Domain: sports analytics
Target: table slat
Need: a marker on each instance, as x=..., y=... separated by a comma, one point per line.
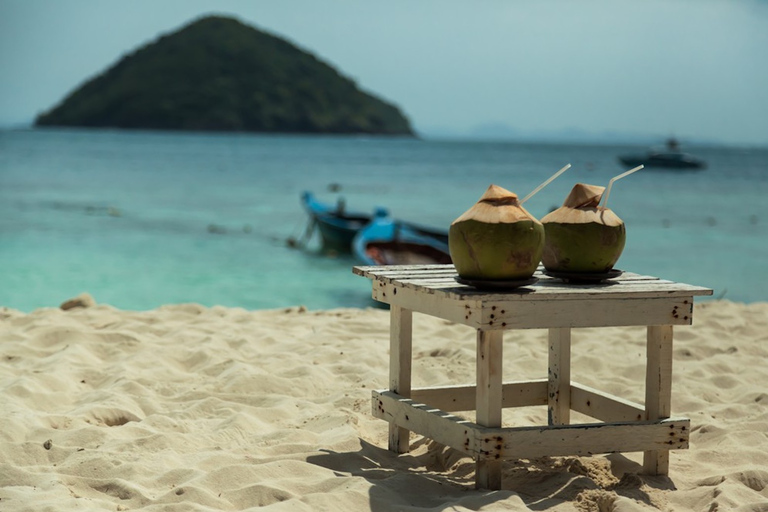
x=442, y=279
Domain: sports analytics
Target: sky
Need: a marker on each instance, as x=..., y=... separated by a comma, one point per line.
x=695, y=69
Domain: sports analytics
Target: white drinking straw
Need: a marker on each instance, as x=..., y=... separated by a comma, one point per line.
x=558, y=173
x=616, y=178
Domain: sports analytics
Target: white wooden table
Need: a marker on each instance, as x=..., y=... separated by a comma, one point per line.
x=622, y=426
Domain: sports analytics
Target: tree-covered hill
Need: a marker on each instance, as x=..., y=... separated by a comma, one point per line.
x=219, y=74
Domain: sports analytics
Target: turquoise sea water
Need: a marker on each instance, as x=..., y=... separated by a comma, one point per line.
x=141, y=219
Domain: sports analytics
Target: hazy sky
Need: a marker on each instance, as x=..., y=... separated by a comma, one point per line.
x=694, y=68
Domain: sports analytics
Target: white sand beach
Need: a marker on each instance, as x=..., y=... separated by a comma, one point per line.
x=189, y=408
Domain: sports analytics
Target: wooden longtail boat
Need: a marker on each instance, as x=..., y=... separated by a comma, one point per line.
x=386, y=241
x=338, y=227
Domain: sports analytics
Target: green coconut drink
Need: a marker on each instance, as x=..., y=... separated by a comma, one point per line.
x=582, y=236
x=496, y=239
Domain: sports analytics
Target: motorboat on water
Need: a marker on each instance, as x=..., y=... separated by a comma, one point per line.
x=670, y=158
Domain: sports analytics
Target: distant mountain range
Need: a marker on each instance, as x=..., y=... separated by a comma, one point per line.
x=218, y=74
x=498, y=131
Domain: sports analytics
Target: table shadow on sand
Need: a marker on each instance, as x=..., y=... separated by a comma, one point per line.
x=436, y=477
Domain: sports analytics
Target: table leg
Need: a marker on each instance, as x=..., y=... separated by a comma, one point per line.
x=559, y=393
x=658, y=391
x=400, y=355
x=488, y=396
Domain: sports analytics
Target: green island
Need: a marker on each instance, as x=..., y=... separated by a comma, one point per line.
x=218, y=74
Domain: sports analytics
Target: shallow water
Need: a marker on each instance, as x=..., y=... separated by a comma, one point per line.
x=140, y=219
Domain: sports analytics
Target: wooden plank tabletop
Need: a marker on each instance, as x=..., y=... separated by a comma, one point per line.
x=441, y=279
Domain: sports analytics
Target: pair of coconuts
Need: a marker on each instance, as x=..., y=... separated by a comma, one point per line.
x=498, y=240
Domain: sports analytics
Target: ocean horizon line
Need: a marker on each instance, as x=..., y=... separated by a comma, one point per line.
x=587, y=139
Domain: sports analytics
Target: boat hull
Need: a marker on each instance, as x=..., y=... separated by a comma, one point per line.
x=671, y=161
x=338, y=227
x=336, y=234
x=389, y=242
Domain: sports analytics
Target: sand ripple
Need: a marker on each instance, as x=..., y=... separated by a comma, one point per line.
x=202, y=409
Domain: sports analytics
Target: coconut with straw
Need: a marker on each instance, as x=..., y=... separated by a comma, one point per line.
x=498, y=239
x=582, y=236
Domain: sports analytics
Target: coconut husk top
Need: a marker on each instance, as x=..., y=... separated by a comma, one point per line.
x=497, y=206
x=583, y=195
x=581, y=207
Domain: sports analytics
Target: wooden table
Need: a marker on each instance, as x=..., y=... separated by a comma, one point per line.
x=623, y=426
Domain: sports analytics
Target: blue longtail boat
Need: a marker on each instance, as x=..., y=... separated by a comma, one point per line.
x=386, y=241
x=338, y=226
